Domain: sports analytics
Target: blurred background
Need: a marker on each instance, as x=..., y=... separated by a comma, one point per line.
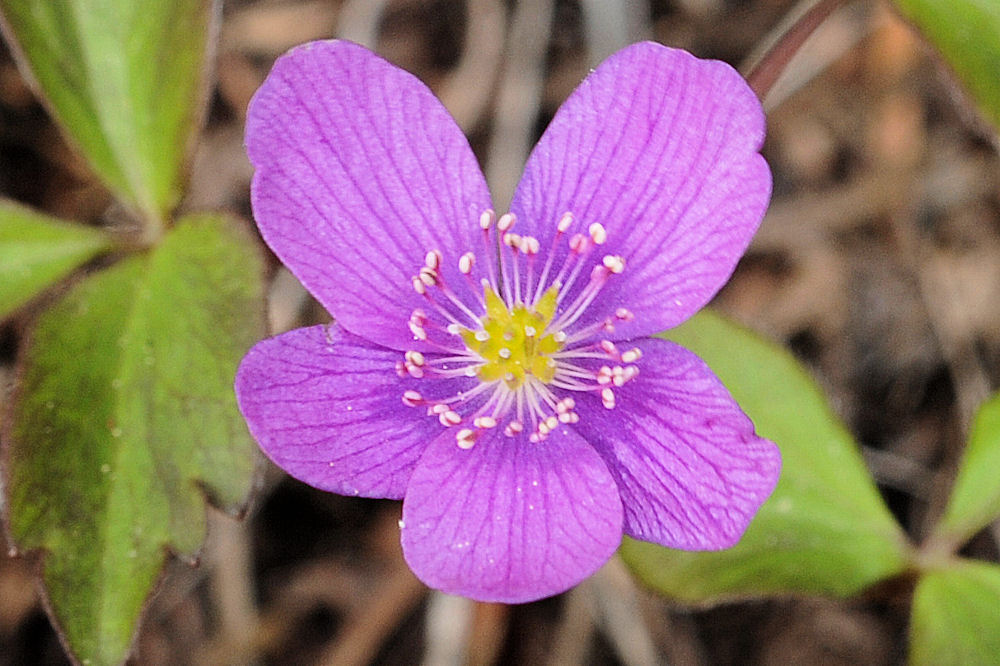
x=878, y=265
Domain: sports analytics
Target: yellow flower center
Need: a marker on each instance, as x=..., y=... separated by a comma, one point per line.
x=515, y=343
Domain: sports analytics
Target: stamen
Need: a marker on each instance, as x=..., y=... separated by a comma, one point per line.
x=466, y=438
x=614, y=263
x=418, y=331
x=632, y=355
x=433, y=260
x=486, y=219
x=564, y=222
x=450, y=418
x=428, y=276
x=597, y=233
x=513, y=428
x=519, y=350
x=484, y=422
x=608, y=398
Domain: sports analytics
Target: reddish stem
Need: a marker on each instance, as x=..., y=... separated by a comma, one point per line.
x=767, y=70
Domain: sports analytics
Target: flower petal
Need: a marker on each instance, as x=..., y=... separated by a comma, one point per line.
x=326, y=406
x=691, y=470
x=359, y=173
x=509, y=520
x=661, y=148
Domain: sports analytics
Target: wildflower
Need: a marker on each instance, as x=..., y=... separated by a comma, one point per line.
x=494, y=370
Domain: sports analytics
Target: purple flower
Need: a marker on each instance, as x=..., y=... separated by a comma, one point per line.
x=496, y=372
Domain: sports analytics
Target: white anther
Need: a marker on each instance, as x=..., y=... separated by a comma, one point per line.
x=453, y=329
x=437, y=409
x=412, y=398
x=486, y=219
x=418, y=285
x=530, y=331
x=597, y=233
x=414, y=357
x=401, y=369
x=608, y=346
x=484, y=422
x=578, y=243
x=619, y=376
x=543, y=429
x=428, y=276
x=450, y=418
x=465, y=438
x=530, y=245
x=505, y=222
x=632, y=355
x=623, y=314
x=552, y=422
x=433, y=260
x=564, y=222
x=559, y=336
x=503, y=353
x=465, y=263
x=481, y=335
x=512, y=241
x=470, y=370
x=631, y=372
x=418, y=331
x=566, y=417
x=418, y=316
x=415, y=371
x=608, y=398
x=513, y=428
x=614, y=263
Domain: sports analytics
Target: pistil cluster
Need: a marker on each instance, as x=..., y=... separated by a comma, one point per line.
x=522, y=339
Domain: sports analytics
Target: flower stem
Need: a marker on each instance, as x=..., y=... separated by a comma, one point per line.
x=766, y=69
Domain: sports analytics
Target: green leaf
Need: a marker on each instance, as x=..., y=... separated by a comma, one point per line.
x=967, y=33
x=824, y=530
x=125, y=418
x=956, y=616
x=124, y=79
x=975, y=499
x=37, y=251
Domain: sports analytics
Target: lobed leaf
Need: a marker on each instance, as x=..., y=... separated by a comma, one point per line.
x=36, y=251
x=124, y=79
x=955, y=618
x=967, y=33
x=975, y=499
x=125, y=418
x=825, y=529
